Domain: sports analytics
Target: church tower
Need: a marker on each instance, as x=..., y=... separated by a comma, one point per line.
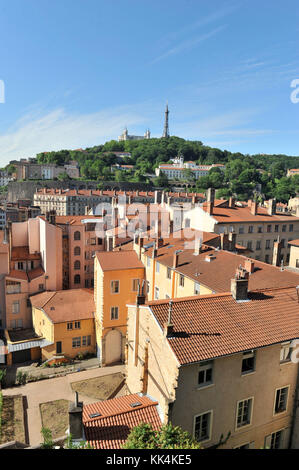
x=166, y=128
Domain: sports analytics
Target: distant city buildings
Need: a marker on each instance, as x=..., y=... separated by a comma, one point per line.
x=292, y=172
x=30, y=169
x=5, y=178
x=125, y=136
x=177, y=170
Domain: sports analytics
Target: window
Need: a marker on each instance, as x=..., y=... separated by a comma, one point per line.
x=20, y=265
x=267, y=258
x=196, y=288
x=77, y=251
x=13, y=287
x=282, y=243
x=156, y=293
x=69, y=326
x=260, y=229
x=76, y=342
x=249, y=245
x=291, y=227
x=147, y=287
x=244, y=408
x=182, y=280
x=114, y=313
x=16, y=306
x=205, y=374
x=202, y=426
x=41, y=287
x=58, y=347
x=258, y=245
x=86, y=340
x=100, y=241
x=77, y=236
x=157, y=267
x=285, y=352
x=281, y=399
x=276, y=228
x=77, y=325
x=268, y=244
x=284, y=228
x=250, y=229
x=241, y=229
x=168, y=273
x=115, y=287
x=269, y=228
x=93, y=241
x=77, y=265
x=77, y=279
x=274, y=440
x=248, y=362
x=135, y=285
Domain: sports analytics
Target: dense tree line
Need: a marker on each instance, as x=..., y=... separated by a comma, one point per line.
x=244, y=177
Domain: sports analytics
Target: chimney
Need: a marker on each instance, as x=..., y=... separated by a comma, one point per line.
x=211, y=195
x=239, y=286
x=231, y=202
x=253, y=208
x=272, y=207
x=276, y=252
x=175, y=259
x=140, y=300
x=170, y=227
x=249, y=265
x=157, y=197
x=197, y=246
x=75, y=419
x=140, y=246
x=154, y=252
x=210, y=206
x=168, y=327
x=232, y=238
x=224, y=242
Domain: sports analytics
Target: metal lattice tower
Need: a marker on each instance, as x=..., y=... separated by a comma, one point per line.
x=166, y=128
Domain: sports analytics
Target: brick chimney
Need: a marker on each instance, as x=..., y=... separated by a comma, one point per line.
x=276, y=252
x=75, y=419
x=211, y=195
x=253, y=208
x=272, y=207
x=239, y=285
x=249, y=265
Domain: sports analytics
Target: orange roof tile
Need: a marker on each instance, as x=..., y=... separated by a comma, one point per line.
x=294, y=242
x=210, y=326
x=66, y=305
x=118, y=417
x=115, y=260
x=243, y=214
x=22, y=253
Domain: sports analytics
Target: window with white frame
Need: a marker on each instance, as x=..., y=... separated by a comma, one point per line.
x=248, y=362
x=281, y=399
x=275, y=440
x=77, y=325
x=244, y=411
x=285, y=351
x=86, y=340
x=205, y=374
x=76, y=342
x=168, y=273
x=114, y=313
x=196, y=288
x=202, y=426
x=70, y=325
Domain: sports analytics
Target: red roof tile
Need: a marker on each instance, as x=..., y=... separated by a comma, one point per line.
x=206, y=327
x=115, y=260
x=111, y=429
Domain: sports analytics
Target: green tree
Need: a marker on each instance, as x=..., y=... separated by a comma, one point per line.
x=168, y=437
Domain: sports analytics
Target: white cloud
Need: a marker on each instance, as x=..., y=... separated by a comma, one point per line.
x=55, y=130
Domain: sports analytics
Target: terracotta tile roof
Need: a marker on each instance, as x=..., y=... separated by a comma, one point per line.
x=22, y=253
x=76, y=219
x=21, y=275
x=111, y=429
x=115, y=260
x=243, y=214
x=34, y=273
x=66, y=305
x=210, y=326
x=294, y=242
x=217, y=273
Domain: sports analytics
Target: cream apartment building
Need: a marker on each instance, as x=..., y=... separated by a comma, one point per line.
x=209, y=377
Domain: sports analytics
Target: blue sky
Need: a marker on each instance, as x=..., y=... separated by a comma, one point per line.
x=77, y=71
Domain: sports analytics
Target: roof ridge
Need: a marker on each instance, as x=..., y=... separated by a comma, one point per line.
x=50, y=298
x=145, y=405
